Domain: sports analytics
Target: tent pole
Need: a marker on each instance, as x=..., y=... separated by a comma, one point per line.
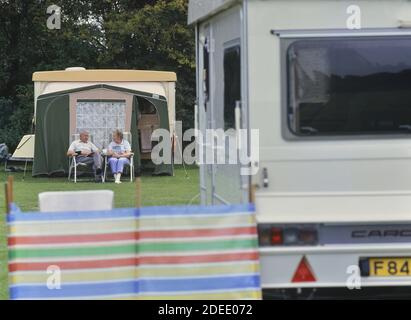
x=182, y=156
x=25, y=165
x=138, y=192
x=25, y=170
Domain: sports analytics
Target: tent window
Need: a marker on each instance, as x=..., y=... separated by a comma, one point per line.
x=349, y=86
x=232, y=84
x=100, y=118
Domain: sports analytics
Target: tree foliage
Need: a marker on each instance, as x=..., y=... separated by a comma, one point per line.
x=123, y=34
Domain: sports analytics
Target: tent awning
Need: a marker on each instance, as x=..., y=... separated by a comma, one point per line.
x=53, y=130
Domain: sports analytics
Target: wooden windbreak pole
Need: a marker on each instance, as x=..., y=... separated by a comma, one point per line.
x=252, y=191
x=138, y=192
x=10, y=181
x=6, y=197
x=9, y=192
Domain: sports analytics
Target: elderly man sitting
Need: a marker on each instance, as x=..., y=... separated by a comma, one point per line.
x=86, y=152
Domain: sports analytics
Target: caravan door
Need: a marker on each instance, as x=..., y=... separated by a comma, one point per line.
x=221, y=57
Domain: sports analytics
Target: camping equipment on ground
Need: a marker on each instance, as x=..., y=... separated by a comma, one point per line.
x=4, y=154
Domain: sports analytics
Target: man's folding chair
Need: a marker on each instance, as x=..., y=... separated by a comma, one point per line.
x=74, y=165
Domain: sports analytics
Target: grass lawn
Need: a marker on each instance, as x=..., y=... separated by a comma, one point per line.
x=177, y=190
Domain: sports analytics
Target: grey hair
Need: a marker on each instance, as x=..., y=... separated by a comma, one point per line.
x=118, y=133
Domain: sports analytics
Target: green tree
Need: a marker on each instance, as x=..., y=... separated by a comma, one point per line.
x=132, y=34
x=156, y=37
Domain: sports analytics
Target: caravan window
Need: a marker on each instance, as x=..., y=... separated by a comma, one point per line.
x=232, y=84
x=349, y=86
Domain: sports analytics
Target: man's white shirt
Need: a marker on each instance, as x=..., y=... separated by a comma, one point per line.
x=78, y=146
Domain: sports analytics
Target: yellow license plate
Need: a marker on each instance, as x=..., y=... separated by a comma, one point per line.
x=390, y=267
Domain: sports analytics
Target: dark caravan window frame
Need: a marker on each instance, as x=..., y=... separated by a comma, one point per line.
x=206, y=71
x=348, y=89
x=232, y=83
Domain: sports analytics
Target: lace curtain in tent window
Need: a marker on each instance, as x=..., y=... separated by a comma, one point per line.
x=100, y=119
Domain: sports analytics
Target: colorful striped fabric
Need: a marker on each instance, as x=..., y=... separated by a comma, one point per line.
x=148, y=253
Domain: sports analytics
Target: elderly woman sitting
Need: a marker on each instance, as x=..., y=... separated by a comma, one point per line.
x=119, y=151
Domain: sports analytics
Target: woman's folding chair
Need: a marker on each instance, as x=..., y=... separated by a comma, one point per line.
x=126, y=136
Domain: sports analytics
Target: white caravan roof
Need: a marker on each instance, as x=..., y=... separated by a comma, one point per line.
x=200, y=9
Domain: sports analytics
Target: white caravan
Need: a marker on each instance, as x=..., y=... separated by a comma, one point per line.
x=328, y=85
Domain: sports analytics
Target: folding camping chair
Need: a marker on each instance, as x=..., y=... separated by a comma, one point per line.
x=126, y=136
x=4, y=155
x=73, y=164
x=100, y=200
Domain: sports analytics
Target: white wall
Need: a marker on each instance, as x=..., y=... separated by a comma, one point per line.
x=198, y=9
x=298, y=167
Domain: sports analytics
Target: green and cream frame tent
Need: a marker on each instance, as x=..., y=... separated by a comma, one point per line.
x=100, y=101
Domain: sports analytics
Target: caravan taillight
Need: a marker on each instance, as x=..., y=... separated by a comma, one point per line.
x=309, y=236
x=276, y=236
x=287, y=235
x=269, y=236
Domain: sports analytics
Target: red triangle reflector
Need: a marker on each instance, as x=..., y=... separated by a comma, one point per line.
x=304, y=272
